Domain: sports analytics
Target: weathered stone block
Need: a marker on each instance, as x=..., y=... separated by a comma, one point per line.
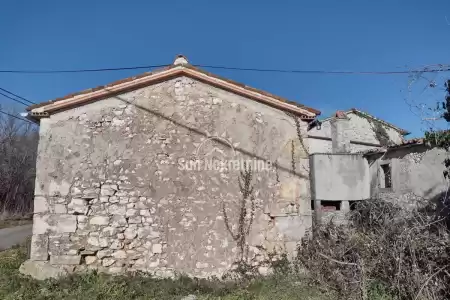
x=115, y=245
x=64, y=223
x=60, y=209
x=65, y=260
x=132, y=213
x=130, y=233
x=104, y=253
x=90, y=193
x=40, y=204
x=157, y=248
x=78, y=206
x=135, y=220
x=108, y=261
x=108, y=190
x=144, y=213
x=118, y=221
x=41, y=270
x=110, y=231
x=82, y=219
x=40, y=224
x=39, y=247
x=99, y=220
x=90, y=260
x=120, y=254
x=116, y=209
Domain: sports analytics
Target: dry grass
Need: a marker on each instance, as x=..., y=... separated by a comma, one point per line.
x=384, y=250
x=99, y=286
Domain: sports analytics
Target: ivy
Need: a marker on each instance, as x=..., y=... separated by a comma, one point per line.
x=380, y=132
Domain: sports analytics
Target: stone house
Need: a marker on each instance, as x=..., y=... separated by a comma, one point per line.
x=340, y=174
x=354, y=131
x=143, y=175
x=409, y=174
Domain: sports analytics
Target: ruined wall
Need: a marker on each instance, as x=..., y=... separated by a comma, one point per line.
x=119, y=186
x=358, y=129
x=416, y=175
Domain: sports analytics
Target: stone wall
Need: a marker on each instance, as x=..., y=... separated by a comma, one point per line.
x=417, y=175
x=358, y=129
x=119, y=187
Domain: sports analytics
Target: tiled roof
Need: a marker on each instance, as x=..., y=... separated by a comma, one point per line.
x=405, y=143
x=185, y=66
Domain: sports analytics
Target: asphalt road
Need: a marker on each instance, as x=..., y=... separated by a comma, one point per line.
x=14, y=235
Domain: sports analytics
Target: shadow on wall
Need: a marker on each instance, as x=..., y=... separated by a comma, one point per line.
x=240, y=150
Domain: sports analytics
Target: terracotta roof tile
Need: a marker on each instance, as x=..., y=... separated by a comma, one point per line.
x=129, y=79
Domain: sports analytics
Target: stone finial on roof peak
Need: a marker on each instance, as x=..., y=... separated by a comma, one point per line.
x=180, y=60
x=340, y=114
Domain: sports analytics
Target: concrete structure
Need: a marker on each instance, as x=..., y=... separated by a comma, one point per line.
x=355, y=131
x=338, y=180
x=136, y=175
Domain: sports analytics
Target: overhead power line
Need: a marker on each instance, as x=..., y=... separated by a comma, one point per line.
x=433, y=69
x=425, y=70
x=20, y=97
x=16, y=117
x=81, y=70
x=13, y=99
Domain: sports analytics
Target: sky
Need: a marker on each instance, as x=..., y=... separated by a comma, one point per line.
x=351, y=35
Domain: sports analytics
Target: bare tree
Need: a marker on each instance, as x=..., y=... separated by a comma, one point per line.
x=18, y=147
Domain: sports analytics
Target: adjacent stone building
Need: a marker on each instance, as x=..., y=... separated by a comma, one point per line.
x=409, y=174
x=143, y=174
x=352, y=131
x=339, y=172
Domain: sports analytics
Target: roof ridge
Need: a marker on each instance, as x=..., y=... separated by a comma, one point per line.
x=175, y=70
x=353, y=110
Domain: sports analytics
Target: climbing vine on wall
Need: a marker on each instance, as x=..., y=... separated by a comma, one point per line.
x=380, y=132
x=246, y=215
x=299, y=134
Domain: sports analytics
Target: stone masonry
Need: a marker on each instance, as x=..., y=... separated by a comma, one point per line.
x=118, y=188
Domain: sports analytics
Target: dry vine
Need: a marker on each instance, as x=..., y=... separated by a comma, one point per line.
x=246, y=215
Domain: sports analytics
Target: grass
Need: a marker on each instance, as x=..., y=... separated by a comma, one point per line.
x=100, y=286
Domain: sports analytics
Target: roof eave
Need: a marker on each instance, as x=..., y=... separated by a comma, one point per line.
x=168, y=73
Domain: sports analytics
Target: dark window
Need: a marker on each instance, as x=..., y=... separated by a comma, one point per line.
x=330, y=205
x=386, y=176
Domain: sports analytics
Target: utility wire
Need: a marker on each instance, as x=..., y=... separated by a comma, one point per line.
x=13, y=116
x=20, y=97
x=435, y=69
x=11, y=98
x=80, y=70
x=425, y=70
